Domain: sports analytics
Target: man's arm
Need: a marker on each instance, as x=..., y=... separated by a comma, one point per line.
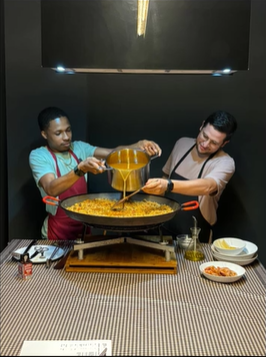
x=55, y=186
x=198, y=187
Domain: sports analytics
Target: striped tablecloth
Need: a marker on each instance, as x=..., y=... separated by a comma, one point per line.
x=142, y=314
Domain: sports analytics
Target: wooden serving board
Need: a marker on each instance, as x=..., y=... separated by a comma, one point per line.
x=122, y=258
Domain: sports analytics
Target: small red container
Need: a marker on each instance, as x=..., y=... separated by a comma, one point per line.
x=25, y=267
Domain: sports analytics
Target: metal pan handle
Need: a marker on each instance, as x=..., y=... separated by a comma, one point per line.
x=50, y=200
x=192, y=205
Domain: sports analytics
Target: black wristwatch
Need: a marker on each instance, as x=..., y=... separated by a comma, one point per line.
x=170, y=186
x=78, y=172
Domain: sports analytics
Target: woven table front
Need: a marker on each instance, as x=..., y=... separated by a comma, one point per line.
x=142, y=314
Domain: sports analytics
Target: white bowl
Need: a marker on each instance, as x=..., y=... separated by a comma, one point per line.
x=248, y=252
x=240, y=271
x=183, y=240
x=229, y=246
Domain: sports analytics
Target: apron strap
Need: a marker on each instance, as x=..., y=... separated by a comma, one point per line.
x=182, y=158
x=205, y=162
x=56, y=165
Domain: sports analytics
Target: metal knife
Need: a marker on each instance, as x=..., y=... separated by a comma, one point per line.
x=29, y=246
x=62, y=261
x=48, y=261
x=34, y=254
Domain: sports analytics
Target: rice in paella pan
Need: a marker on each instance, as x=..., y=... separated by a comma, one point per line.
x=102, y=207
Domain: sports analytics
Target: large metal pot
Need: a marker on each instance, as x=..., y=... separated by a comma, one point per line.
x=121, y=223
x=128, y=169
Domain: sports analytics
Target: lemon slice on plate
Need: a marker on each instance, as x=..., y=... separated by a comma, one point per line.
x=225, y=245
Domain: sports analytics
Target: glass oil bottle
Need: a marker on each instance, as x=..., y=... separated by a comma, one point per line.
x=194, y=251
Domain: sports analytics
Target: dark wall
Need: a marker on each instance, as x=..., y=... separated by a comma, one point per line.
x=3, y=140
x=112, y=109
x=30, y=88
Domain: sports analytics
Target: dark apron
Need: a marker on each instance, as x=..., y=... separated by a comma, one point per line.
x=183, y=221
x=60, y=226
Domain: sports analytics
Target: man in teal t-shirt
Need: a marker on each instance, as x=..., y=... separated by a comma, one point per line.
x=60, y=169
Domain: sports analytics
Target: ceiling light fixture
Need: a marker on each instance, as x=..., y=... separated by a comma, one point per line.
x=143, y=7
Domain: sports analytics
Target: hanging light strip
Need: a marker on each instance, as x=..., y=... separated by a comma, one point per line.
x=143, y=6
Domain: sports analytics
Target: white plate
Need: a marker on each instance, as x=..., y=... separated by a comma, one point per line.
x=40, y=258
x=223, y=279
x=229, y=258
x=249, y=251
x=241, y=262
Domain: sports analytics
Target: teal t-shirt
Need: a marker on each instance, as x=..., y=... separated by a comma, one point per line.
x=42, y=163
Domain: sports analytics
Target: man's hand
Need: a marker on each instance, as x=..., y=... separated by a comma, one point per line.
x=150, y=147
x=155, y=186
x=93, y=165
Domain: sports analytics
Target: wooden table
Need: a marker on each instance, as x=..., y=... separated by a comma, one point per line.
x=183, y=314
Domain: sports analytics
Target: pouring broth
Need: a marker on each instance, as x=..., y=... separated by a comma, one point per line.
x=130, y=169
x=125, y=170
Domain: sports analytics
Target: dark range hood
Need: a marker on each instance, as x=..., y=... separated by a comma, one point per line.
x=178, y=36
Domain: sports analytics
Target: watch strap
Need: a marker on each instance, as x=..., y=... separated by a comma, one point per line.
x=170, y=186
x=78, y=172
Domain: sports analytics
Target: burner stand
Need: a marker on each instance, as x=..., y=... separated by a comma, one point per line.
x=141, y=254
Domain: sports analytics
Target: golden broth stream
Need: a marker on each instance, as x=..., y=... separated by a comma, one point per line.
x=125, y=169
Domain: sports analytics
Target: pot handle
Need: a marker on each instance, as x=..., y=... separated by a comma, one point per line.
x=106, y=168
x=190, y=203
x=50, y=200
x=154, y=156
